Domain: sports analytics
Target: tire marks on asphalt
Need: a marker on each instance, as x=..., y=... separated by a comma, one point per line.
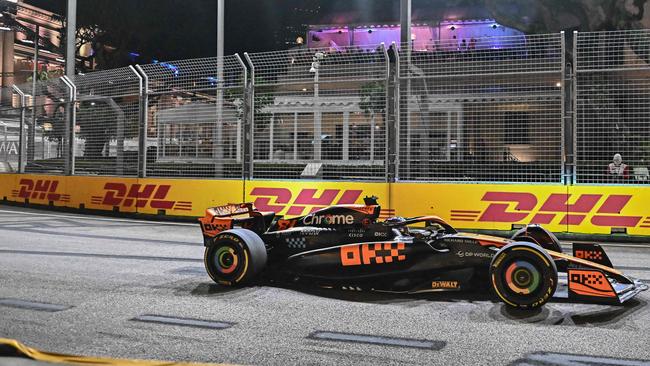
x=33, y=305
x=186, y=322
x=566, y=359
x=378, y=340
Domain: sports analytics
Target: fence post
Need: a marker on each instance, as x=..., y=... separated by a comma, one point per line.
x=144, y=116
x=69, y=147
x=568, y=152
x=243, y=117
x=73, y=125
x=574, y=100
x=397, y=116
x=388, y=161
x=21, y=131
x=248, y=144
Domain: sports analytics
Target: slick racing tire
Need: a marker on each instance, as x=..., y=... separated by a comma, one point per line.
x=523, y=275
x=235, y=257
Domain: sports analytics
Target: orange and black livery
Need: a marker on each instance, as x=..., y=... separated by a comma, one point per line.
x=349, y=247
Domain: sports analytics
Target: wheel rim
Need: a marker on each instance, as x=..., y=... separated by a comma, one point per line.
x=226, y=260
x=522, y=277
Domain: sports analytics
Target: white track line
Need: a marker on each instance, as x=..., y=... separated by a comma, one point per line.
x=95, y=218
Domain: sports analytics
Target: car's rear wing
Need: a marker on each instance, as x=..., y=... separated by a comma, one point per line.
x=233, y=209
x=232, y=215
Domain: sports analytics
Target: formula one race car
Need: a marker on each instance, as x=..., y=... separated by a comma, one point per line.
x=345, y=246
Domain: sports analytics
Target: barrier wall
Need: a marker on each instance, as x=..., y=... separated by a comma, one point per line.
x=577, y=209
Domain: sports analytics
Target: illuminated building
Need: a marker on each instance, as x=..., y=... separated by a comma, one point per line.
x=18, y=25
x=425, y=36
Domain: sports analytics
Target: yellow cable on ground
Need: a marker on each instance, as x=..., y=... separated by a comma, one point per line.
x=34, y=354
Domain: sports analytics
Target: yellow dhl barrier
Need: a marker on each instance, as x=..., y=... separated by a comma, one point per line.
x=578, y=209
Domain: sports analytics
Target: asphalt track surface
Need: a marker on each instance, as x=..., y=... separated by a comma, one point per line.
x=76, y=284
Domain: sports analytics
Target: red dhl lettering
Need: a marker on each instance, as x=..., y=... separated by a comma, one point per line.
x=40, y=189
x=515, y=207
x=281, y=200
x=139, y=196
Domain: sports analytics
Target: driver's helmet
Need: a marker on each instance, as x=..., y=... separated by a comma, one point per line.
x=395, y=220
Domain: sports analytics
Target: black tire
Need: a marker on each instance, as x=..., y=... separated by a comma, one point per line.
x=235, y=257
x=523, y=275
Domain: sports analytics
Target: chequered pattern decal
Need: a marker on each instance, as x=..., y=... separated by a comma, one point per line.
x=296, y=243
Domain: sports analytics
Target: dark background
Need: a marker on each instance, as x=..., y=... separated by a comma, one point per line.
x=179, y=29
x=182, y=29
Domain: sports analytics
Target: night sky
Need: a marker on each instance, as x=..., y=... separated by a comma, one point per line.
x=181, y=29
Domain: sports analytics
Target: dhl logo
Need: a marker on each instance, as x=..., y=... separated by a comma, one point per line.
x=40, y=189
x=514, y=207
x=139, y=196
x=365, y=254
x=308, y=200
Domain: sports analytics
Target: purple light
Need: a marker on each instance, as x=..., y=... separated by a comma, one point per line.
x=447, y=36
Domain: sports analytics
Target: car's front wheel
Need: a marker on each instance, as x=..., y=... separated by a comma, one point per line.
x=235, y=257
x=523, y=275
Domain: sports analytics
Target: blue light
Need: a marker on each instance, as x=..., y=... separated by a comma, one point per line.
x=213, y=81
x=173, y=68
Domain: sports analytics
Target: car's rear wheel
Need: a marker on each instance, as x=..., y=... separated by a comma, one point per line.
x=235, y=257
x=523, y=275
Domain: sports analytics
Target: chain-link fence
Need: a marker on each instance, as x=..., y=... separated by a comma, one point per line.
x=613, y=105
x=195, y=117
x=10, y=117
x=486, y=109
x=320, y=113
x=107, y=109
x=43, y=108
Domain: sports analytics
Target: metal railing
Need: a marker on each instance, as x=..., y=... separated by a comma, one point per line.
x=514, y=109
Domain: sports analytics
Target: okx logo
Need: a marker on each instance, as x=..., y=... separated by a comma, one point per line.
x=563, y=209
x=282, y=200
x=373, y=253
x=139, y=196
x=40, y=189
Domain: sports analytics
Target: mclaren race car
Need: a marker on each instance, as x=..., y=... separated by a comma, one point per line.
x=347, y=246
